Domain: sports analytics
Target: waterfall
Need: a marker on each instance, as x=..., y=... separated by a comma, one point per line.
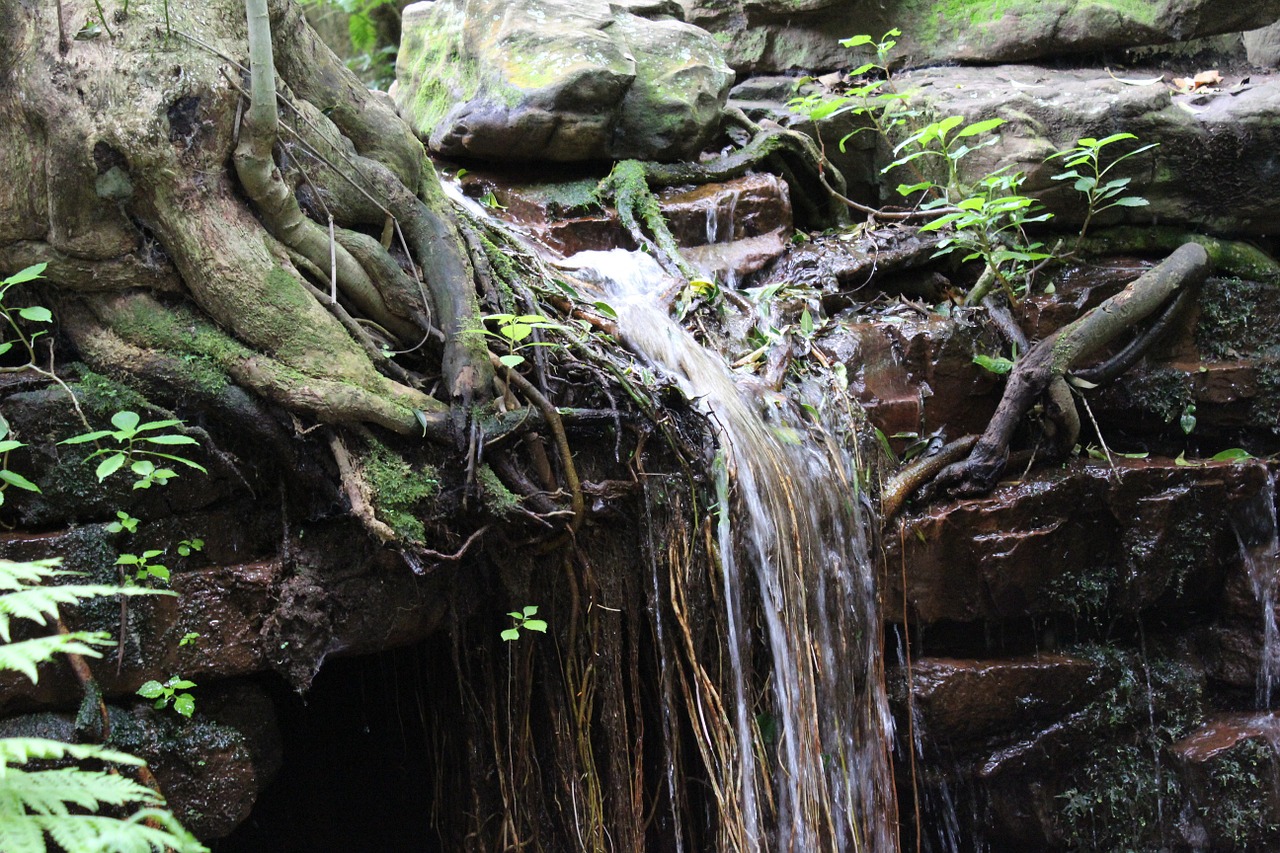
x=790, y=522
x=1256, y=531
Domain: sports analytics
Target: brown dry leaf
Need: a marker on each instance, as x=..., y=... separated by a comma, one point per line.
x=1207, y=78
x=1183, y=84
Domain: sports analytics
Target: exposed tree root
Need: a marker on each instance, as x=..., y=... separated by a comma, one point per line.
x=1048, y=362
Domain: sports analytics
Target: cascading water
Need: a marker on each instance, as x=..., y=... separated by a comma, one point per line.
x=1259, y=537
x=790, y=515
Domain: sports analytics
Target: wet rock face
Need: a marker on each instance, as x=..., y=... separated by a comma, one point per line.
x=772, y=35
x=559, y=81
x=1076, y=541
x=211, y=768
x=1214, y=167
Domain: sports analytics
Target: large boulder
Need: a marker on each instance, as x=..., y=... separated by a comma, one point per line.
x=1215, y=169
x=772, y=35
x=559, y=80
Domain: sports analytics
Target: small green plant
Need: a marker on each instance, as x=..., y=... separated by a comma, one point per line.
x=64, y=802
x=187, y=547
x=985, y=220
x=171, y=691
x=188, y=639
x=133, y=438
x=144, y=569
x=7, y=477
x=124, y=523
x=1089, y=176
x=524, y=619
x=516, y=330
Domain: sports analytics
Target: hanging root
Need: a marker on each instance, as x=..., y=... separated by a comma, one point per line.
x=1048, y=362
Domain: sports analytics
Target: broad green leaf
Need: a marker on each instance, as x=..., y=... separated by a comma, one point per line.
x=151, y=690
x=510, y=361
x=1130, y=201
x=606, y=309
x=86, y=437
x=535, y=625
x=125, y=420
x=109, y=466
x=184, y=704
x=511, y=634
x=36, y=314
x=10, y=444
x=1231, y=454
x=17, y=480
x=998, y=365
x=530, y=610
x=856, y=41
x=28, y=274
x=980, y=127
x=170, y=439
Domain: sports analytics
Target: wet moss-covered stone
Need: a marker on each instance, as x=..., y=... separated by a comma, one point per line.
x=553, y=80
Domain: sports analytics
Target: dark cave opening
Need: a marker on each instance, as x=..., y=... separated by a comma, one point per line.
x=359, y=771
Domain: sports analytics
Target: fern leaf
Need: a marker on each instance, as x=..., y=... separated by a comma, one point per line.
x=20, y=750
x=25, y=656
x=54, y=792
x=97, y=834
x=40, y=603
x=15, y=576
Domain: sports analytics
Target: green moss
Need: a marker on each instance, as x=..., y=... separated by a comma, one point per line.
x=100, y=395
x=1237, y=318
x=1115, y=794
x=566, y=198
x=1164, y=393
x=401, y=492
x=1239, y=803
x=498, y=499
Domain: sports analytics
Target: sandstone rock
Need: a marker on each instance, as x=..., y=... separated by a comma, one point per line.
x=1214, y=169
x=1262, y=46
x=558, y=80
x=772, y=35
x=963, y=700
x=1228, y=768
x=1075, y=541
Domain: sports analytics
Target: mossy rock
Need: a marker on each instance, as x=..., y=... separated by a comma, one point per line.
x=561, y=81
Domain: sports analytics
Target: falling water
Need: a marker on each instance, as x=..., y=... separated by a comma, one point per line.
x=1259, y=539
x=789, y=515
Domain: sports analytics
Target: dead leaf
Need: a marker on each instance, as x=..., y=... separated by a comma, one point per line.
x=1207, y=78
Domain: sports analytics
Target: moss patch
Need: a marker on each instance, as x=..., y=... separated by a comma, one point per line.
x=401, y=492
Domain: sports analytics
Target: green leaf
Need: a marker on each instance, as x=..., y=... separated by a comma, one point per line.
x=530, y=610
x=980, y=127
x=510, y=361
x=1130, y=201
x=86, y=437
x=36, y=314
x=170, y=439
x=181, y=684
x=806, y=322
x=109, y=466
x=606, y=309
x=151, y=690
x=511, y=634
x=856, y=41
x=159, y=572
x=1231, y=454
x=32, y=272
x=535, y=625
x=17, y=480
x=5, y=347
x=998, y=365
x=125, y=421
x=185, y=705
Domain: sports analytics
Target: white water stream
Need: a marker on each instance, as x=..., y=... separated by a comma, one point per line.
x=1259, y=537
x=790, y=522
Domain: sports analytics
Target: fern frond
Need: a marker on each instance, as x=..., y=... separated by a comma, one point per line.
x=55, y=792
x=40, y=603
x=97, y=834
x=25, y=656
x=20, y=750
x=18, y=575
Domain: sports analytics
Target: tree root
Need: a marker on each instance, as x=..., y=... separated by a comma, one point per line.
x=1047, y=363
x=1228, y=257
